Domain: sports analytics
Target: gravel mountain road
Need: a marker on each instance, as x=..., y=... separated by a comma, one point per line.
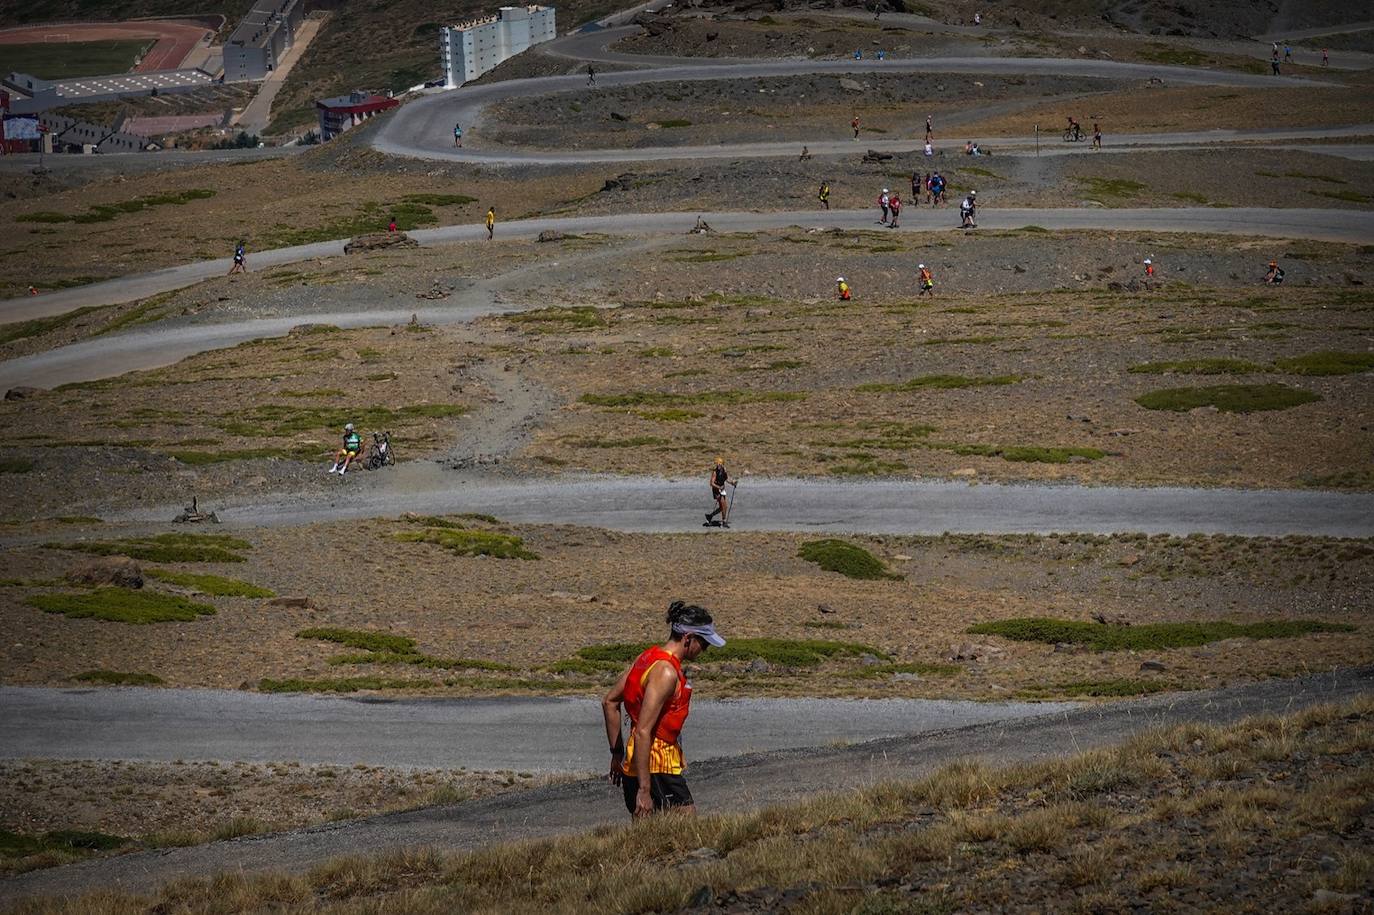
x=930, y=507
x=731, y=783
x=524, y=734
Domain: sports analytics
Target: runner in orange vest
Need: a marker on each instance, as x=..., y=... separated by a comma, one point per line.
x=657, y=697
x=1149, y=269
x=842, y=288
x=927, y=282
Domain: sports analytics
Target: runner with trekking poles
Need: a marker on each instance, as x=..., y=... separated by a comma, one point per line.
x=719, y=478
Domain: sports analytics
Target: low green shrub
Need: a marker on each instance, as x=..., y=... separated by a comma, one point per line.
x=471, y=543
x=1327, y=363
x=849, y=560
x=119, y=605
x=1228, y=398
x=164, y=548
x=1151, y=636
x=369, y=640
x=1198, y=367
x=214, y=585
x=789, y=652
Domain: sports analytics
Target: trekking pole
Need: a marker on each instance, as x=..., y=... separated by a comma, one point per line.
x=730, y=504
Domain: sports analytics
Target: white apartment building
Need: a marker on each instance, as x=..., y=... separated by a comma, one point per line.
x=470, y=49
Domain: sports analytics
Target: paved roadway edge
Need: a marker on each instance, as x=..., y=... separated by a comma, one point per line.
x=738, y=783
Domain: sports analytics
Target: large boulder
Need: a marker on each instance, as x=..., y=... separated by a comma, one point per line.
x=378, y=241
x=119, y=571
x=22, y=392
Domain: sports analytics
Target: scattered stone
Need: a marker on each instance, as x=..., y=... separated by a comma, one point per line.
x=904, y=677
x=1121, y=432
x=759, y=666
x=850, y=85
x=1331, y=897
x=1155, y=666
x=758, y=312
x=22, y=392
x=964, y=472
x=874, y=156
x=377, y=241
x=120, y=571
x=550, y=235
x=617, y=116
x=1130, y=560
x=825, y=608
x=868, y=660
x=573, y=596
x=306, y=330
x=969, y=651
x=436, y=291
x=901, y=557
x=704, y=853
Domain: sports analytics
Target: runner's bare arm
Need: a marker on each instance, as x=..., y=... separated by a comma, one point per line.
x=610, y=710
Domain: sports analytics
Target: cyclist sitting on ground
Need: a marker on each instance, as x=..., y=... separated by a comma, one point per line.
x=352, y=445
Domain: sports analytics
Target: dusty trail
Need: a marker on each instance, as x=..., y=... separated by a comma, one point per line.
x=738, y=783
x=525, y=734
x=655, y=505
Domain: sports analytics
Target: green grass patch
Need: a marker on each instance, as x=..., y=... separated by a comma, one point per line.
x=471, y=543
x=416, y=659
x=1228, y=398
x=584, y=667
x=118, y=678
x=119, y=605
x=276, y=420
x=214, y=585
x=673, y=123
x=866, y=465
x=368, y=218
x=890, y=436
x=18, y=845
x=1346, y=195
x=1190, y=197
x=1149, y=637
x=440, y=200
x=790, y=652
x=105, y=212
x=849, y=560
x=365, y=639
x=1327, y=363
x=15, y=465
x=1035, y=454
x=71, y=59
x=1198, y=367
x=164, y=548
x=710, y=257
x=670, y=415
x=22, y=330
x=941, y=382
x=664, y=399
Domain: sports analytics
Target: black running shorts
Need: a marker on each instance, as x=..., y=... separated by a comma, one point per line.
x=666, y=790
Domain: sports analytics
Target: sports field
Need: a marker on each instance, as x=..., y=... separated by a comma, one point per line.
x=59, y=59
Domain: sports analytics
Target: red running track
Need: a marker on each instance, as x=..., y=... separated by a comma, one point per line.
x=175, y=40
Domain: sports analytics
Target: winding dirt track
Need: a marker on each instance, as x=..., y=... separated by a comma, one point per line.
x=736, y=784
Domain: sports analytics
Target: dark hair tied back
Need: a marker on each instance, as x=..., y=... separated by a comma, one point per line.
x=685, y=614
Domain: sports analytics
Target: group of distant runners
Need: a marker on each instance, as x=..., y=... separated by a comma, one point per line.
x=1276, y=64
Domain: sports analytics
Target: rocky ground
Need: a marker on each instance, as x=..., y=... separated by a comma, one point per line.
x=487, y=625
x=128, y=806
